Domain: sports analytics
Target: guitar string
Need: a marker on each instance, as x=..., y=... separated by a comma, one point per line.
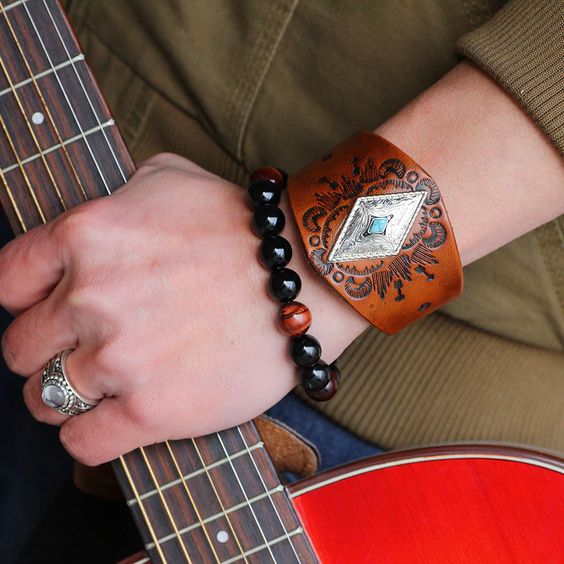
x=43, y=102
x=142, y=507
x=23, y=171
x=124, y=178
x=31, y=19
x=74, y=68
x=123, y=175
x=122, y=459
x=246, y=496
x=69, y=104
x=43, y=218
x=13, y=202
x=204, y=466
x=32, y=133
x=250, y=454
x=165, y=504
x=192, y=500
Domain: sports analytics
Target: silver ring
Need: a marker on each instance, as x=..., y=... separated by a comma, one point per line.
x=57, y=392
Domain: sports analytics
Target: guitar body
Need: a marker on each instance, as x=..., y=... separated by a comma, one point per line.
x=487, y=505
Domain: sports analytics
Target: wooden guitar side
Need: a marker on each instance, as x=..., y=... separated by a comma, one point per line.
x=468, y=504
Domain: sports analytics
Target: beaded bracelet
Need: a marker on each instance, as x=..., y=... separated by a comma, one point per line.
x=318, y=379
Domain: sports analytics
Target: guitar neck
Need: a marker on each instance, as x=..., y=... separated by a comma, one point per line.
x=215, y=498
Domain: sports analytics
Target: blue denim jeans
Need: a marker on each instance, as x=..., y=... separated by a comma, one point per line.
x=334, y=443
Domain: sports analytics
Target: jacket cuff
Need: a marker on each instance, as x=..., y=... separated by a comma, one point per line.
x=522, y=48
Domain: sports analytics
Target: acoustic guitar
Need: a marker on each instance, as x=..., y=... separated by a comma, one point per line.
x=218, y=498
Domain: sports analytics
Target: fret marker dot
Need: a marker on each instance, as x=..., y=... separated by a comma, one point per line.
x=222, y=536
x=37, y=118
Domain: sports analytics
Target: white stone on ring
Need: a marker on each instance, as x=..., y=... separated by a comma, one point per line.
x=58, y=393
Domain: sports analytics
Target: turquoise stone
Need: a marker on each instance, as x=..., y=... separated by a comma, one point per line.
x=377, y=225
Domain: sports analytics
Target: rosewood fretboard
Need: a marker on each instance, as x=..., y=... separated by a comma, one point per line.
x=213, y=499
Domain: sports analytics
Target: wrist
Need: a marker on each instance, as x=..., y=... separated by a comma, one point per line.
x=485, y=154
x=335, y=323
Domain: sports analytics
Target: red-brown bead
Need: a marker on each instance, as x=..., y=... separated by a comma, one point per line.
x=294, y=319
x=268, y=173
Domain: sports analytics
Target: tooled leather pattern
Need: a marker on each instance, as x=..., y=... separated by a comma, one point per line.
x=371, y=178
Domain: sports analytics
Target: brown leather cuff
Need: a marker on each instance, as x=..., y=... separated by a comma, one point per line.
x=375, y=228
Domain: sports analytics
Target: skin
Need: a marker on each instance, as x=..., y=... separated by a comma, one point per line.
x=165, y=305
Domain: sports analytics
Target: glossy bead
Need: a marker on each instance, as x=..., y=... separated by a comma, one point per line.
x=330, y=389
x=268, y=220
x=275, y=252
x=269, y=173
x=285, y=285
x=315, y=377
x=264, y=192
x=305, y=350
x=320, y=381
x=294, y=319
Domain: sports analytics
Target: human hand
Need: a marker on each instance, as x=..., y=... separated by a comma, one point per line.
x=159, y=292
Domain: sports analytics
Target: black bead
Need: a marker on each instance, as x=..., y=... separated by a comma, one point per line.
x=285, y=284
x=305, y=350
x=275, y=252
x=268, y=220
x=264, y=192
x=315, y=377
x=330, y=389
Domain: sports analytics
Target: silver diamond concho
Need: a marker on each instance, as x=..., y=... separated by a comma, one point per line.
x=56, y=391
x=376, y=226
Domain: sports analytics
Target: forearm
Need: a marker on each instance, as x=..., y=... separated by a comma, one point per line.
x=499, y=176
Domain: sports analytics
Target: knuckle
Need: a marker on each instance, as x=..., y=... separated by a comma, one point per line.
x=75, y=444
x=81, y=225
x=104, y=361
x=106, y=369
x=81, y=299
x=160, y=160
x=142, y=417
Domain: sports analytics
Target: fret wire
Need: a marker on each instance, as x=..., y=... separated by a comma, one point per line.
x=268, y=544
x=54, y=70
x=48, y=111
x=12, y=5
x=245, y=494
x=43, y=74
x=142, y=508
x=216, y=516
x=192, y=501
x=124, y=176
x=195, y=473
x=71, y=108
x=266, y=489
x=165, y=504
x=20, y=218
x=109, y=123
x=20, y=166
x=30, y=128
x=102, y=176
x=219, y=500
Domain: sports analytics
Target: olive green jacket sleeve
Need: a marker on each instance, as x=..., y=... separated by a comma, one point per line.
x=522, y=48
